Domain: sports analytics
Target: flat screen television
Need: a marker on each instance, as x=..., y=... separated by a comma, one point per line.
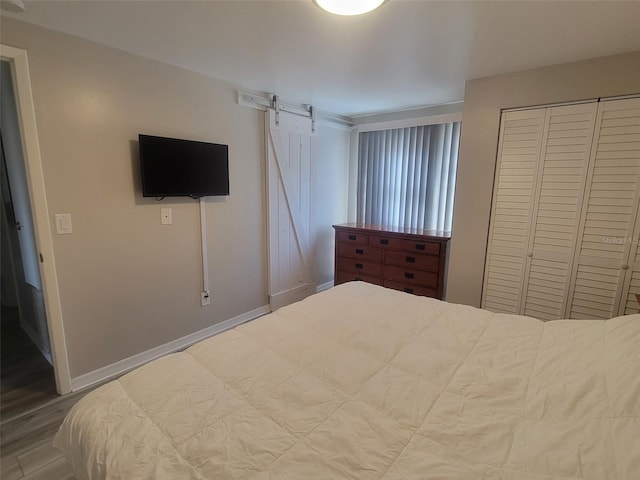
x=172, y=167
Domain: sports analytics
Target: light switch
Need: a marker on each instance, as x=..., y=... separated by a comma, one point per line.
x=165, y=214
x=63, y=223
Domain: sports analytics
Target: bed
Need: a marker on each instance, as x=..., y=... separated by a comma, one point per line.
x=362, y=382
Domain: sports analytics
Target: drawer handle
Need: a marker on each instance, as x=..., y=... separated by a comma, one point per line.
x=359, y=265
x=408, y=275
x=359, y=251
x=410, y=259
x=408, y=290
x=420, y=246
x=384, y=241
x=352, y=237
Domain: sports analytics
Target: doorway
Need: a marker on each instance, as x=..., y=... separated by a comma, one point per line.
x=27, y=375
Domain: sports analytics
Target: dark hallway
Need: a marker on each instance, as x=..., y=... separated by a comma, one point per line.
x=27, y=378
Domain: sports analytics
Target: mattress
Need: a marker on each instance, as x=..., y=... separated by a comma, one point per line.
x=362, y=382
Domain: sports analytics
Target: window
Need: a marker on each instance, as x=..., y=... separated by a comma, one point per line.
x=406, y=176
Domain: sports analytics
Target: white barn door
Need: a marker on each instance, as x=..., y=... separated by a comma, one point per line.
x=290, y=227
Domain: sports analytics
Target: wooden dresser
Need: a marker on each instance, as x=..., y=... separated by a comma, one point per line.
x=410, y=260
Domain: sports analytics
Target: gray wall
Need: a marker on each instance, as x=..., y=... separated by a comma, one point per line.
x=127, y=283
x=483, y=101
x=331, y=150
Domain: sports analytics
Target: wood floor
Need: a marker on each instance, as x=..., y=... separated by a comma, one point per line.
x=26, y=448
x=30, y=408
x=26, y=378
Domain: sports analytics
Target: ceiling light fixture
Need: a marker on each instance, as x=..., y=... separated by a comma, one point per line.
x=349, y=7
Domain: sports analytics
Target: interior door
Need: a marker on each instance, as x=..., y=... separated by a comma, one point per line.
x=521, y=136
x=606, y=247
x=17, y=204
x=290, y=224
x=557, y=206
x=631, y=291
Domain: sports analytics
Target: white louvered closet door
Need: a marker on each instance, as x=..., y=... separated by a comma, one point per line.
x=521, y=136
x=605, y=265
x=557, y=204
x=631, y=290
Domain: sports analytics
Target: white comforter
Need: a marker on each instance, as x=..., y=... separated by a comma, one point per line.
x=361, y=382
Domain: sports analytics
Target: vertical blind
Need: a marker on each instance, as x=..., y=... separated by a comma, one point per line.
x=407, y=176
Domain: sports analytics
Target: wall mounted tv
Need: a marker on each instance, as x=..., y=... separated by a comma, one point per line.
x=183, y=168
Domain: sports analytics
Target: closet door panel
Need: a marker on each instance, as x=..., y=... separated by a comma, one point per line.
x=631, y=301
x=631, y=305
x=601, y=278
x=631, y=292
x=558, y=201
x=513, y=197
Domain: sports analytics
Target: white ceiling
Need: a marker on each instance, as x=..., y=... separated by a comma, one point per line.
x=406, y=54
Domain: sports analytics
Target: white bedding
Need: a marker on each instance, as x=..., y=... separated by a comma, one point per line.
x=361, y=382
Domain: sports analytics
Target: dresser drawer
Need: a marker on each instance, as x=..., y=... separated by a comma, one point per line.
x=343, y=277
x=351, y=237
x=432, y=248
x=409, y=288
x=382, y=241
x=355, y=265
x=408, y=275
x=418, y=261
x=364, y=252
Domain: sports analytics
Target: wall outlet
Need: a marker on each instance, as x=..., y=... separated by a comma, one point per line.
x=205, y=298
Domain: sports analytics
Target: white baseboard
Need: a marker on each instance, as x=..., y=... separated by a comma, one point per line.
x=116, y=369
x=324, y=286
x=293, y=295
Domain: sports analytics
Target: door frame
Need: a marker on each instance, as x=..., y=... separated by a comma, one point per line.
x=39, y=209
